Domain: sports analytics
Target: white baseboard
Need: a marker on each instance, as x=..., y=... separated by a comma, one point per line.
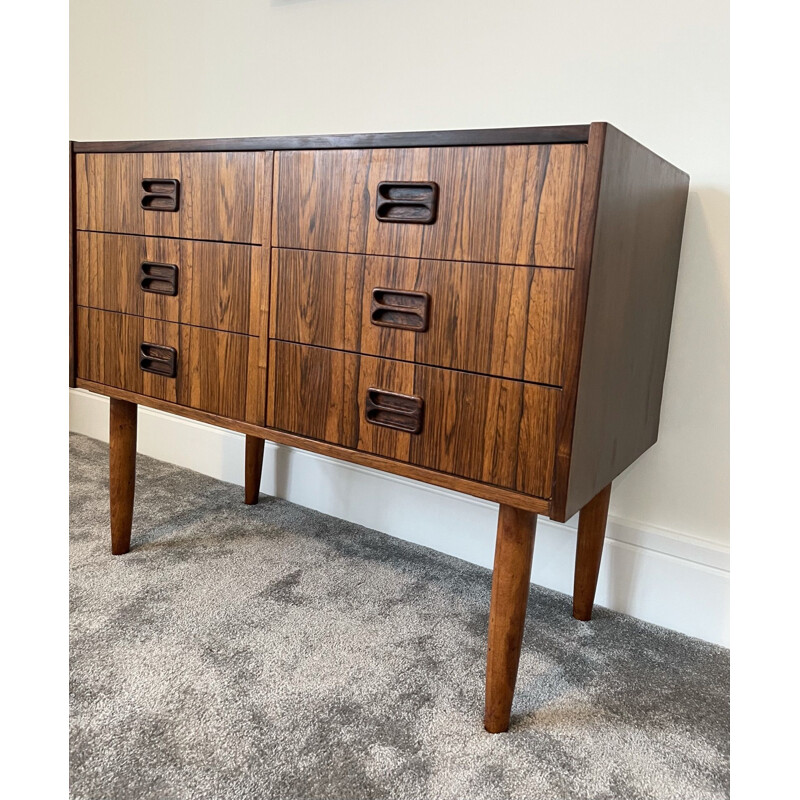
x=677, y=581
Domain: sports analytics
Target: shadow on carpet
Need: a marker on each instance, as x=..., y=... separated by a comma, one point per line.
x=257, y=652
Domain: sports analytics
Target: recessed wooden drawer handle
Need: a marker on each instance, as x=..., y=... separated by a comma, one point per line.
x=160, y=194
x=395, y=308
x=403, y=412
x=158, y=359
x=158, y=278
x=407, y=202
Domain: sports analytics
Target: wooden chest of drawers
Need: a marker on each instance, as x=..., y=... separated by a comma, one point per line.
x=487, y=311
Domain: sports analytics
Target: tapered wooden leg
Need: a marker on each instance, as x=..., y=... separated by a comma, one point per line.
x=253, y=459
x=591, y=534
x=122, y=472
x=511, y=585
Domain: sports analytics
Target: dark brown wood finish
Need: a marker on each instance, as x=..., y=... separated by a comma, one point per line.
x=72, y=310
x=213, y=280
x=576, y=315
x=629, y=250
x=591, y=535
x=216, y=200
x=253, y=462
x=496, y=320
x=211, y=365
x=511, y=585
x=259, y=294
x=121, y=472
x=504, y=205
x=484, y=311
x=494, y=431
x=494, y=494
x=554, y=134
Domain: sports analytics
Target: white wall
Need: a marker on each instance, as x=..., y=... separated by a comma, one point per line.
x=658, y=71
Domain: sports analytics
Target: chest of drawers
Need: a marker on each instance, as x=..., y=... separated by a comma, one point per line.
x=486, y=311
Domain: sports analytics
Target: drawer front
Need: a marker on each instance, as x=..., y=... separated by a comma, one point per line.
x=506, y=205
x=190, y=195
x=198, y=283
x=498, y=320
x=495, y=431
x=140, y=355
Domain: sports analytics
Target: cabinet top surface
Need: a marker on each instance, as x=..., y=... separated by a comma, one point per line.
x=557, y=134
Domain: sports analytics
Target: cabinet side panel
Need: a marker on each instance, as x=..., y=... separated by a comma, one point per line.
x=631, y=291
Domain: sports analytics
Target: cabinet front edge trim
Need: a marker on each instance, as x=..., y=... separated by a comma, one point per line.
x=494, y=494
x=554, y=134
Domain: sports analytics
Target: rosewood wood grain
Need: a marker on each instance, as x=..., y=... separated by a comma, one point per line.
x=625, y=290
x=260, y=294
x=213, y=280
x=591, y=535
x=211, y=365
x=487, y=429
x=362, y=376
x=217, y=194
x=494, y=494
x=400, y=412
x=108, y=193
x=554, y=134
x=505, y=205
x=122, y=472
x=511, y=585
x=495, y=320
x=215, y=370
x=253, y=462
x=400, y=309
x=466, y=277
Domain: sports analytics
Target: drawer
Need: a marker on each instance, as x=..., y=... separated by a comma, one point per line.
x=505, y=205
x=205, y=369
x=215, y=196
x=198, y=283
x=491, y=430
x=493, y=319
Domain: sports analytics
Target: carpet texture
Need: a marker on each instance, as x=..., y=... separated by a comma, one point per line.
x=243, y=653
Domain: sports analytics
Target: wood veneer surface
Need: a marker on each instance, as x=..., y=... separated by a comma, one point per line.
x=504, y=205
x=496, y=431
x=211, y=365
x=216, y=197
x=213, y=279
x=486, y=318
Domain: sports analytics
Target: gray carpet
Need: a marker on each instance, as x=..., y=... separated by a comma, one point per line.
x=274, y=652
